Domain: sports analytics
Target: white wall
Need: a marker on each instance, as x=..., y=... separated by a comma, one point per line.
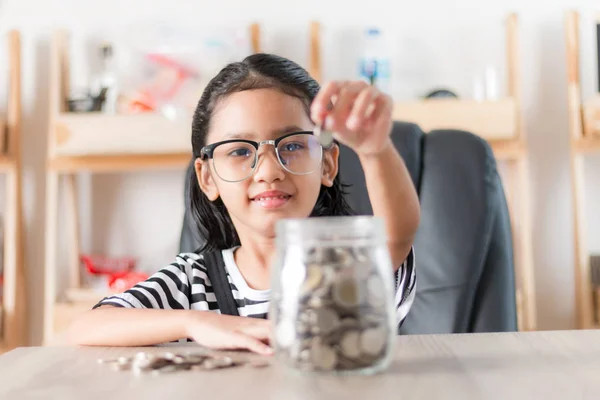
x=435, y=42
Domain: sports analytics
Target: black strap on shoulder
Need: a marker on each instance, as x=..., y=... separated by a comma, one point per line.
x=215, y=268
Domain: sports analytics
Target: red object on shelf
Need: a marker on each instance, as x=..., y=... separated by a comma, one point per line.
x=118, y=270
x=122, y=282
x=101, y=265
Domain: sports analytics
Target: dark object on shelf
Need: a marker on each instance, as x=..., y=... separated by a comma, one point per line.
x=441, y=93
x=88, y=103
x=595, y=281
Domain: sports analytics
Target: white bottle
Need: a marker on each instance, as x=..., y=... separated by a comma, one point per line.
x=108, y=79
x=375, y=65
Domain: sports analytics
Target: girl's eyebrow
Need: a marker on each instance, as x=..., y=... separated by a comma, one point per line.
x=252, y=135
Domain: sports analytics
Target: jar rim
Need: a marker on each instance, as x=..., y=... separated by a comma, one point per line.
x=348, y=227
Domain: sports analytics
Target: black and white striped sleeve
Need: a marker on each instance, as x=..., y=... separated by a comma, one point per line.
x=406, y=282
x=168, y=289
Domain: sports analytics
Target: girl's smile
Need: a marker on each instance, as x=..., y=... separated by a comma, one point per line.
x=271, y=199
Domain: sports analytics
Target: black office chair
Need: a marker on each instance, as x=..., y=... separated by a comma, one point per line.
x=463, y=248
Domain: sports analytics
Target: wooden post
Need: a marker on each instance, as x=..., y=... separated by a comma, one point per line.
x=58, y=91
x=583, y=290
x=519, y=188
x=255, y=37
x=514, y=68
x=314, y=68
x=72, y=209
x=15, y=318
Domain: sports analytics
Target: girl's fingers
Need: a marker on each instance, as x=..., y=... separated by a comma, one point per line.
x=383, y=109
x=336, y=119
x=248, y=342
x=259, y=330
x=320, y=105
x=363, y=107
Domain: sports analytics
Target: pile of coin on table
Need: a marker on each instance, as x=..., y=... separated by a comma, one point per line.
x=341, y=321
x=144, y=362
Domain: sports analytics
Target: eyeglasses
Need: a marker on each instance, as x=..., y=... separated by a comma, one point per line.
x=235, y=160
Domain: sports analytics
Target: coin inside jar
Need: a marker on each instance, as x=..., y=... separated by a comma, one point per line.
x=314, y=277
x=343, y=257
x=373, y=340
x=350, y=344
x=322, y=356
x=326, y=320
x=346, y=292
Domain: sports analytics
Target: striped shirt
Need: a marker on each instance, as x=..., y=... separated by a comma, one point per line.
x=169, y=288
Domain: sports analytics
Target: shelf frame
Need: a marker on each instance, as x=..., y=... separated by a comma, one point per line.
x=85, y=153
x=14, y=304
x=500, y=123
x=584, y=138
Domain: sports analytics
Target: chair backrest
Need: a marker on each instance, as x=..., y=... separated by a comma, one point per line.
x=463, y=248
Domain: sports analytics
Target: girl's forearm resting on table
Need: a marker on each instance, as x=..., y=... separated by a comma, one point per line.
x=113, y=326
x=394, y=199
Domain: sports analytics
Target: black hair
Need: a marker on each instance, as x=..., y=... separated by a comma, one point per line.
x=257, y=71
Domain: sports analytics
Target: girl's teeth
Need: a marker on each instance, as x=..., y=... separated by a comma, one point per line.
x=276, y=197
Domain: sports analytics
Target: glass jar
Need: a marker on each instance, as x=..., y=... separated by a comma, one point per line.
x=332, y=295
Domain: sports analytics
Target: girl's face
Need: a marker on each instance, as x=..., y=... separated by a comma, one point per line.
x=271, y=192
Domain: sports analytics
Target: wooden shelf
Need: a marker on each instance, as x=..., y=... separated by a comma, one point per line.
x=119, y=163
x=589, y=144
x=506, y=150
x=7, y=163
x=591, y=117
x=13, y=308
x=94, y=134
x=584, y=131
x=492, y=120
x=96, y=143
x=499, y=122
x=86, y=295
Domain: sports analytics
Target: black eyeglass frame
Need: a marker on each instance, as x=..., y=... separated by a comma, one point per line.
x=207, y=152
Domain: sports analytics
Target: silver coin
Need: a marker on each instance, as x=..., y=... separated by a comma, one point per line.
x=346, y=292
x=165, y=369
x=346, y=364
x=318, y=301
x=350, y=344
x=217, y=363
x=343, y=257
x=119, y=360
x=373, y=340
x=325, y=138
x=196, y=358
x=327, y=320
x=314, y=278
x=361, y=256
x=258, y=363
x=323, y=357
x=302, y=328
x=122, y=366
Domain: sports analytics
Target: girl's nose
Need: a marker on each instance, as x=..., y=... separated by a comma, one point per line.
x=268, y=169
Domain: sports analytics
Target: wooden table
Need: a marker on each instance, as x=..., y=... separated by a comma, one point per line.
x=548, y=365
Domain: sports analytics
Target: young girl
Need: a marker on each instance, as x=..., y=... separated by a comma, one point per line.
x=249, y=124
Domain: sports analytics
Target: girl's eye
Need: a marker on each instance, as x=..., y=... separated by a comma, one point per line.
x=292, y=146
x=240, y=152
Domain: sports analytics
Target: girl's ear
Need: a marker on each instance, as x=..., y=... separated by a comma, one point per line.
x=205, y=180
x=330, y=165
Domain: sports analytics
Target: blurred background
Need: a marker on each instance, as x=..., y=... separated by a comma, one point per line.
x=430, y=45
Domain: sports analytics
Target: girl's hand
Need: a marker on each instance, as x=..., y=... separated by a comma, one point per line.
x=221, y=332
x=361, y=116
